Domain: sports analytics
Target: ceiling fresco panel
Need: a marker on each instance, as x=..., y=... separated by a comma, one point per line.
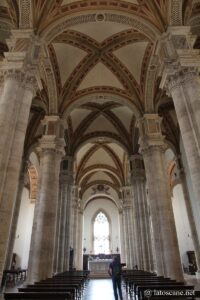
x=77, y=116
x=101, y=124
x=100, y=76
x=100, y=156
x=68, y=58
x=100, y=175
x=125, y=115
x=132, y=57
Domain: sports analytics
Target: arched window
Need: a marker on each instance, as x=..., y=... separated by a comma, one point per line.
x=101, y=234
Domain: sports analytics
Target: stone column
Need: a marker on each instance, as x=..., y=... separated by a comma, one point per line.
x=184, y=87
x=10, y=168
x=141, y=212
x=63, y=216
x=51, y=150
x=128, y=225
x=10, y=103
x=152, y=147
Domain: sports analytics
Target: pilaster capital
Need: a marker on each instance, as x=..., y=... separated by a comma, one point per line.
x=127, y=204
x=27, y=79
x=179, y=77
x=127, y=196
x=137, y=167
x=150, y=133
x=15, y=74
x=66, y=178
x=51, y=144
x=175, y=51
x=1, y=80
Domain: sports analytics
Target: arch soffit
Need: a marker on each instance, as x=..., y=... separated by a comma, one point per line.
x=99, y=168
x=139, y=23
x=99, y=97
x=98, y=197
x=91, y=139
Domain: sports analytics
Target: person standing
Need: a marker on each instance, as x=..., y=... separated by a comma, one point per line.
x=115, y=272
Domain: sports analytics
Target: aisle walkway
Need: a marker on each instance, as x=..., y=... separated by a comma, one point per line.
x=100, y=289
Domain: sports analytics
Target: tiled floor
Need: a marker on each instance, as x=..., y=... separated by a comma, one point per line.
x=100, y=289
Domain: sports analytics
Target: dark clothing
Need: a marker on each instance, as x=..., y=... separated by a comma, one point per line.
x=115, y=267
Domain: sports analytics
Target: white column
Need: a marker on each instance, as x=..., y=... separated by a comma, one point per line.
x=11, y=166
x=184, y=88
x=152, y=147
x=42, y=248
x=10, y=102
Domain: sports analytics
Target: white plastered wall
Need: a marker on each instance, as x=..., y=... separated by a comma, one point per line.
x=112, y=212
x=25, y=223
x=182, y=224
x=181, y=217
x=24, y=229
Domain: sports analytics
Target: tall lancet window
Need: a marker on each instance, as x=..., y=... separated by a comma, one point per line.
x=101, y=234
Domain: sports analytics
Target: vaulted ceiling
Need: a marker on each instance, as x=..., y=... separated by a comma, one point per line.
x=95, y=74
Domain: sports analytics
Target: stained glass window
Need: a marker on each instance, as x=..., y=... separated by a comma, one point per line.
x=101, y=234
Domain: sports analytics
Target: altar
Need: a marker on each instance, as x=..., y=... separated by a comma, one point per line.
x=99, y=268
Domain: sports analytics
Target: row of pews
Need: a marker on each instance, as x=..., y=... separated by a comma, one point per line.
x=146, y=285
x=63, y=286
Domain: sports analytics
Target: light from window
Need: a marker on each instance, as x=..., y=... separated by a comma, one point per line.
x=101, y=234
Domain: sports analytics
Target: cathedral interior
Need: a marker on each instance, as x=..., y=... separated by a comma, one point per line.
x=100, y=135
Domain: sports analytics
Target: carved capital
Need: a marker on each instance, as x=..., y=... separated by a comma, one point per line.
x=180, y=77
x=150, y=133
x=49, y=144
x=14, y=74
x=137, y=167
x=30, y=83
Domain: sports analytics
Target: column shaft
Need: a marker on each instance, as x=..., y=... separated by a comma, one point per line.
x=185, y=89
x=168, y=261
x=12, y=170
x=51, y=149
x=44, y=225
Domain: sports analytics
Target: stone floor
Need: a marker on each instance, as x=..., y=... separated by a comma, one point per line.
x=101, y=289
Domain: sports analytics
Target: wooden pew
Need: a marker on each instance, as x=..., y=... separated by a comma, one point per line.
x=39, y=296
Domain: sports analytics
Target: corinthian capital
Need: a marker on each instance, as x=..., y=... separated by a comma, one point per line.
x=180, y=77
x=176, y=54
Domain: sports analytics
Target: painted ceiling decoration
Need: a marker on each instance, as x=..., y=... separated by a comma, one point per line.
x=96, y=73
